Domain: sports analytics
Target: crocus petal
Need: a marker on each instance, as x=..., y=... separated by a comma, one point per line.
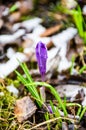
x=41, y=55
x=50, y=109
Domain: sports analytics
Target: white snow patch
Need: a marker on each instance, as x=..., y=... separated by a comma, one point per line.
x=12, y=64
x=10, y=52
x=60, y=41
x=10, y=38
x=39, y=30
x=11, y=88
x=28, y=24
x=84, y=10
x=36, y=38
x=71, y=91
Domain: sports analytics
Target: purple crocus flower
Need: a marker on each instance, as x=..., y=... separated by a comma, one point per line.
x=41, y=55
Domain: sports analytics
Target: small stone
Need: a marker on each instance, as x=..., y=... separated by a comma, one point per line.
x=71, y=127
x=24, y=108
x=9, y=66
x=64, y=126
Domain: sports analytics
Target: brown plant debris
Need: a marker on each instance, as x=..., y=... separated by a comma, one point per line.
x=24, y=108
x=51, y=30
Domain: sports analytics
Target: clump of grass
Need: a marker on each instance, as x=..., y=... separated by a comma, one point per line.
x=32, y=88
x=27, y=80
x=61, y=105
x=77, y=17
x=79, y=22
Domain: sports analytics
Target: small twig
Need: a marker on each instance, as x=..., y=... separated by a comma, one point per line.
x=51, y=120
x=1, y=119
x=51, y=30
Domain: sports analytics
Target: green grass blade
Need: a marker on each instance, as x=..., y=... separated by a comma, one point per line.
x=82, y=113
x=21, y=78
x=55, y=93
x=82, y=69
x=47, y=118
x=32, y=88
x=13, y=8
x=55, y=109
x=75, y=104
x=56, y=112
x=25, y=69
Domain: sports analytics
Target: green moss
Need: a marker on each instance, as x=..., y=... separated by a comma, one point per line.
x=9, y=81
x=7, y=117
x=6, y=108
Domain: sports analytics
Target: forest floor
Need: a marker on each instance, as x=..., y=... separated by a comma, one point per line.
x=27, y=101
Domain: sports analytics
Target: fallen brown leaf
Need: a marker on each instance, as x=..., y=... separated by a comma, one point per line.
x=51, y=30
x=24, y=108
